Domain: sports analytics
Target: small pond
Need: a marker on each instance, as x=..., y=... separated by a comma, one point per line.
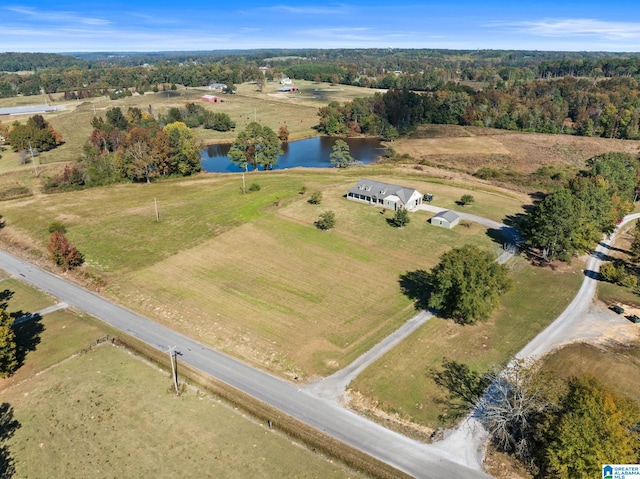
x=310, y=153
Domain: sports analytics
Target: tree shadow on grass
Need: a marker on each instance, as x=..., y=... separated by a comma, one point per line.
x=27, y=330
x=497, y=236
x=5, y=296
x=463, y=387
x=8, y=426
x=415, y=285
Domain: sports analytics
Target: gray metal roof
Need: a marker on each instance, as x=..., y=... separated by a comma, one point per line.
x=382, y=190
x=448, y=215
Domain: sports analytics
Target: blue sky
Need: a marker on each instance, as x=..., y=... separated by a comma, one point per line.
x=64, y=26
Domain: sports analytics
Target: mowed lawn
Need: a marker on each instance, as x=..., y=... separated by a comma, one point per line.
x=107, y=414
x=400, y=383
x=289, y=297
x=250, y=274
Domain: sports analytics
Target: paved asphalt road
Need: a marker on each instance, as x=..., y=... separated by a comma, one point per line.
x=412, y=457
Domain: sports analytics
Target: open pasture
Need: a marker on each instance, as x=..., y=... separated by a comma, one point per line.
x=250, y=274
x=77, y=419
x=294, y=299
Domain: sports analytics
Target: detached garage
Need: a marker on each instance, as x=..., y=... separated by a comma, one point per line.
x=445, y=219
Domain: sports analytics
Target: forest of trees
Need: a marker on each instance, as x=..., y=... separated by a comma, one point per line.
x=133, y=147
x=608, y=108
x=573, y=219
x=589, y=94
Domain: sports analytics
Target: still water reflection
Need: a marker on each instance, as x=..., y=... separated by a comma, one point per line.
x=310, y=153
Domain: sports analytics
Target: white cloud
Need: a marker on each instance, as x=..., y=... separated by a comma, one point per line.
x=575, y=27
x=60, y=17
x=311, y=10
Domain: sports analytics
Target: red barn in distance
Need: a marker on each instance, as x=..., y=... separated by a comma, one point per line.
x=212, y=99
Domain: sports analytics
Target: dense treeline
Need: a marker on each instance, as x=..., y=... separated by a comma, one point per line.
x=86, y=81
x=466, y=64
x=520, y=89
x=15, y=62
x=131, y=147
x=573, y=219
x=608, y=108
x=418, y=69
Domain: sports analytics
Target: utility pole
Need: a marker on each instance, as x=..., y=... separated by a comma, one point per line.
x=244, y=190
x=174, y=368
x=155, y=203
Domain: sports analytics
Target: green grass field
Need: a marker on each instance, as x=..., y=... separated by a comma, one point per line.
x=399, y=382
x=105, y=413
x=250, y=274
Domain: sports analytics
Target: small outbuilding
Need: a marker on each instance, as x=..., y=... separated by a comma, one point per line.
x=445, y=219
x=212, y=99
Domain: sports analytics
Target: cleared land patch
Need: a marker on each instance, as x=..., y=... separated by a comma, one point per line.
x=471, y=148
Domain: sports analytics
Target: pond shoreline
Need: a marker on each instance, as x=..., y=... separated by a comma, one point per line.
x=310, y=152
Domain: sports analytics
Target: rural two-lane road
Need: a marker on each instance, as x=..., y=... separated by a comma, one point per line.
x=414, y=458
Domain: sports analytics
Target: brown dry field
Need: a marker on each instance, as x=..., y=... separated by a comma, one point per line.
x=471, y=148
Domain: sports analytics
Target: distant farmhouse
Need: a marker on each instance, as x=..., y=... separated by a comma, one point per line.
x=445, y=219
x=211, y=99
x=385, y=195
x=217, y=86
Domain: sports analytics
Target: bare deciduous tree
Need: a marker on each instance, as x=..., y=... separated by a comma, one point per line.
x=516, y=398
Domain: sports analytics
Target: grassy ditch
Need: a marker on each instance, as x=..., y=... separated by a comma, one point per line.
x=80, y=419
x=313, y=438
